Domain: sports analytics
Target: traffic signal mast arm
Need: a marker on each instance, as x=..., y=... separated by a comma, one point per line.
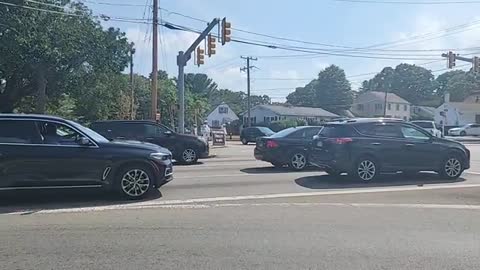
x=451, y=59
x=188, y=53
x=458, y=57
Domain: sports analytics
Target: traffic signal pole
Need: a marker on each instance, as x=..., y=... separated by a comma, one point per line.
x=182, y=60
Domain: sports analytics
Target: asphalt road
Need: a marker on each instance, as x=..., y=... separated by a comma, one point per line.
x=232, y=212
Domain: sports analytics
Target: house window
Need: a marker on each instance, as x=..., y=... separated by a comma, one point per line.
x=378, y=107
x=405, y=107
x=398, y=107
x=215, y=123
x=276, y=118
x=405, y=118
x=360, y=107
x=222, y=109
x=477, y=118
x=254, y=120
x=389, y=106
x=265, y=119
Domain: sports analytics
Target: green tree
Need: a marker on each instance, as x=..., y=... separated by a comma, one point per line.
x=200, y=84
x=42, y=53
x=330, y=91
x=411, y=82
x=458, y=83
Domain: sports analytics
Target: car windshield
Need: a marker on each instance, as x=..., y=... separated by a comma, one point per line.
x=284, y=133
x=92, y=134
x=424, y=124
x=266, y=131
x=466, y=126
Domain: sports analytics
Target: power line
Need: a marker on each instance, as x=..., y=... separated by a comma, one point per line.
x=111, y=4
x=409, y=2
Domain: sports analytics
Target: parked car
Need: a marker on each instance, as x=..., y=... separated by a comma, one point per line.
x=286, y=147
x=470, y=129
x=430, y=127
x=364, y=148
x=186, y=149
x=251, y=134
x=46, y=151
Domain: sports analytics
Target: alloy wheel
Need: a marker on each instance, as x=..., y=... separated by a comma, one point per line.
x=366, y=170
x=298, y=161
x=135, y=182
x=189, y=155
x=453, y=167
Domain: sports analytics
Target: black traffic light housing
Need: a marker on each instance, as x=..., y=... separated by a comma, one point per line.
x=200, y=56
x=451, y=59
x=211, y=45
x=226, y=31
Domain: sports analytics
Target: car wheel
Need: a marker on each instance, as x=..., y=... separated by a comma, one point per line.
x=463, y=133
x=134, y=182
x=244, y=141
x=298, y=161
x=366, y=169
x=189, y=156
x=452, y=167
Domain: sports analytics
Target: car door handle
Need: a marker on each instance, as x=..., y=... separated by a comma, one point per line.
x=409, y=145
x=376, y=143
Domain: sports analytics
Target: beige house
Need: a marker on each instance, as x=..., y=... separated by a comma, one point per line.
x=371, y=104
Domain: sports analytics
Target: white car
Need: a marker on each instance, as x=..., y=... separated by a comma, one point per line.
x=469, y=129
x=430, y=127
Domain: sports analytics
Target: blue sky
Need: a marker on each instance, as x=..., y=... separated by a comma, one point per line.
x=323, y=21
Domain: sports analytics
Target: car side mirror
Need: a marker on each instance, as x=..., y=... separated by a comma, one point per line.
x=316, y=137
x=84, y=141
x=167, y=133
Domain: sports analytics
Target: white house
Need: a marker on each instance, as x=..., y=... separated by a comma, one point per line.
x=458, y=113
x=270, y=113
x=371, y=104
x=222, y=114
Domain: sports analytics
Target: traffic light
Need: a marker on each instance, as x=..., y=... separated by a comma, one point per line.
x=226, y=31
x=200, y=56
x=451, y=59
x=476, y=64
x=211, y=45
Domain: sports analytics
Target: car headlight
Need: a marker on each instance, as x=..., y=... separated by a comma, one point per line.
x=160, y=156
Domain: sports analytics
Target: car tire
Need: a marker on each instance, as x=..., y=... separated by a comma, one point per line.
x=134, y=182
x=365, y=169
x=244, y=141
x=298, y=161
x=463, y=133
x=189, y=156
x=452, y=167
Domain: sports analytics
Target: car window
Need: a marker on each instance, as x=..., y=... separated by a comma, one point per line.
x=424, y=124
x=154, y=130
x=380, y=130
x=56, y=133
x=299, y=133
x=475, y=126
x=19, y=131
x=335, y=131
x=413, y=133
x=310, y=132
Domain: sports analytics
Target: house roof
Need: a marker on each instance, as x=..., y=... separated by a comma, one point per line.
x=298, y=111
x=469, y=107
x=391, y=97
x=426, y=108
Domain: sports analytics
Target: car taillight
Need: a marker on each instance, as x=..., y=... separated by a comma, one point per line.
x=271, y=144
x=341, y=140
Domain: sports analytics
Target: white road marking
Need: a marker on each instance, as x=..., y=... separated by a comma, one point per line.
x=169, y=203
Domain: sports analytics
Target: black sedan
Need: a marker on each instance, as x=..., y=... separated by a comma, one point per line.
x=287, y=147
x=45, y=151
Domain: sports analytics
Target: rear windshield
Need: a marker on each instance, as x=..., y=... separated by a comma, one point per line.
x=424, y=124
x=336, y=131
x=266, y=130
x=284, y=133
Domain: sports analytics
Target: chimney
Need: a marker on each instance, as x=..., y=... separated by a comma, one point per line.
x=447, y=97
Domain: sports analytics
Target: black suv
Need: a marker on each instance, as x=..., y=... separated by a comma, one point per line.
x=46, y=151
x=186, y=149
x=251, y=134
x=363, y=148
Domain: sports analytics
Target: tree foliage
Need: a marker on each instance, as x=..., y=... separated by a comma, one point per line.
x=330, y=91
x=47, y=55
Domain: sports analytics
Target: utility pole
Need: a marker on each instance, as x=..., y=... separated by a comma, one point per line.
x=247, y=68
x=154, y=108
x=132, y=94
x=182, y=60
x=385, y=104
